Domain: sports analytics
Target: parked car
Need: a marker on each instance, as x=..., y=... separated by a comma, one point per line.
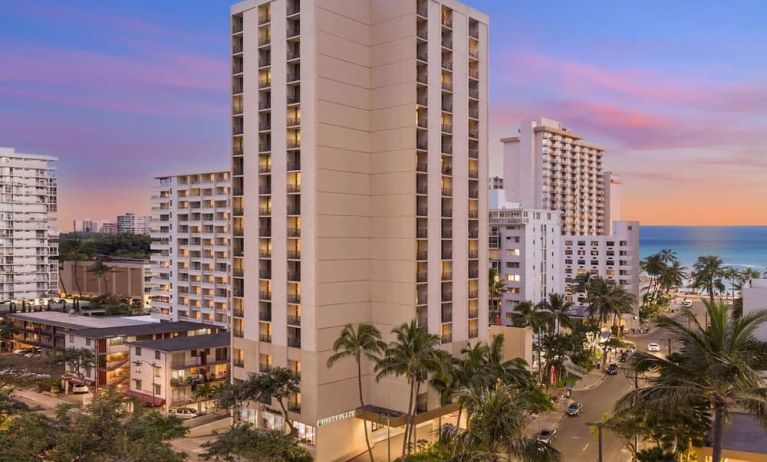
x=686, y=303
x=612, y=369
x=185, y=412
x=547, y=435
x=653, y=347
x=624, y=357
x=574, y=409
x=80, y=389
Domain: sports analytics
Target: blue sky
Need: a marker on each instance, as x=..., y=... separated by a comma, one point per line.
x=677, y=91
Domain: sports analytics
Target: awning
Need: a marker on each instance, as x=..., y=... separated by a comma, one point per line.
x=148, y=399
x=392, y=418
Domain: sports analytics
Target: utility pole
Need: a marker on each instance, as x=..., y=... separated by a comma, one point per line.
x=599, y=426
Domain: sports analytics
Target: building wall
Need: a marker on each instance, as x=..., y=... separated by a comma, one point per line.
x=357, y=228
x=754, y=299
x=28, y=233
x=546, y=166
x=614, y=257
x=613, y=188
x=517, y=342
x=129, y=279
x=525, y=251
x=190, y=248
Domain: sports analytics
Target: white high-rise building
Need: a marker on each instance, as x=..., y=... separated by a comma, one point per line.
x=359, y=195
x=28, y=234
x=130, y=223
x=614, y=257
x=613, y=190
x=546, y=166
x=85, y=225
x=190, y=248
x=525, y=253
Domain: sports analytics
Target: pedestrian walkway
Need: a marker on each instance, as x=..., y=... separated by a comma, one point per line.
x=548, y=419
x=589, y=381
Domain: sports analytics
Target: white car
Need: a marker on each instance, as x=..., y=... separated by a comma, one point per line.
x=653, y=347
x=686, y=303
x=185, y=412
x=80, y=389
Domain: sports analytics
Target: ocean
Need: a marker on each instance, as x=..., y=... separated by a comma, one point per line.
x=737, y=246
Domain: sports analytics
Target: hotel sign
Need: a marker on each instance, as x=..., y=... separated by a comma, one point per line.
x=336, y=418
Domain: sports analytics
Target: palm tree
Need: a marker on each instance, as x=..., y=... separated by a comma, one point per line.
x=365, y=341
x=621, y=302
x=707, y=275
x=525, y=314
x=673, y=276
x=100, y=269
x=415, y=354
x=203, y=392
x=496, y=290
x=495, y=422
x=719, y=364
x=557, y=310
x=598, y=303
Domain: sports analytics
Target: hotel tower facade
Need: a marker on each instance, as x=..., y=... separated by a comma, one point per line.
x=359, y=173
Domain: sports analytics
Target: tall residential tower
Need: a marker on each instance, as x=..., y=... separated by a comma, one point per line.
x=548, y=167
x=28, y=236
x=359, y=194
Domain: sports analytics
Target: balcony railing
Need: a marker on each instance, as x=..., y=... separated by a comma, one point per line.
x=294, y=298
x=294, y=320
x=265, y=338
x=294, y=342
x=422, y=276
x=263, y=295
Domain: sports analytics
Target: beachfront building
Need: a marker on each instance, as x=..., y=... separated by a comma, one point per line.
x=359, y=195
x=614, y=257
x=549, y=167
x=129, y=278
x=190, y=248
x=168, y=372
x=525, y=253
x=754, y=293
x=111, y=347
x=28, y=234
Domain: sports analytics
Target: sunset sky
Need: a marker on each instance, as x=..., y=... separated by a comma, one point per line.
x=676, y=91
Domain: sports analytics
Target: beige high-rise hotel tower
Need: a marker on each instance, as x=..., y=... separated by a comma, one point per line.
x=359, y=165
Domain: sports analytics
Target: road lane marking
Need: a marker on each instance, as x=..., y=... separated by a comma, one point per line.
x=584, y=447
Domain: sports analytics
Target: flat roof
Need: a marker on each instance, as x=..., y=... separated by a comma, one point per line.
x=77, y=321
x=189, y=342
x=142, y=329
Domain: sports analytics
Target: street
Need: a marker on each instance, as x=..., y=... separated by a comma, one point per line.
x=575, y=440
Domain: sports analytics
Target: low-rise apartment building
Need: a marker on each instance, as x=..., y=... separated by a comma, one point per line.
x=110, y=344
x=525, y=253
x=190, y=248
x=169, y=372
x=48, y=329
x=128, y=278
x=614, y=257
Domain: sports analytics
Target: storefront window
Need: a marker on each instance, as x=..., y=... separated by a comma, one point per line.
x=306, y=434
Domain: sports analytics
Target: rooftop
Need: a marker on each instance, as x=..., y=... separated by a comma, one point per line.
x=189, y=342
x=143, y=329
x=744, y=433
x=78, y=321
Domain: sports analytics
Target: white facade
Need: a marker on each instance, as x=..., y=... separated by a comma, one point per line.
x=755, y=298
x=190, y=248
x=85, y=225
x=549, y=167
x=613, y=188
x=614, y=257
x=130, y=223
x=525, y=252
x=359, y=169
x=28, y=234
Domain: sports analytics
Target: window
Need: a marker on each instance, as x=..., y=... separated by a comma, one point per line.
x=138, y=367
x=512, y=252
x=512, y=264
x=157, y=389
x=512, y=277
x=156, y=355
x=156, y=371
x=71, y=339
x=138, y=351
x=513, y=290
x=87, y=342
x=138, y=384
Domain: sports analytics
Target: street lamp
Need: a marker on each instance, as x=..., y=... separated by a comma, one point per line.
x=154, y=366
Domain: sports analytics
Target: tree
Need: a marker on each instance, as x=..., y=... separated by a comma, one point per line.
x=655, y=455
x=557, y=311
x=707, y=275
x=278, y=383
x=232, y=395
x=10, y=407
x=245, y=443
x=415, y=354
x=203, y=392
x=100, y=270
x=718, y=364
x=495, y=421
x=106, y=432
x=496, y=289
x=526, y=314
x=365, y=341
x=79, y=361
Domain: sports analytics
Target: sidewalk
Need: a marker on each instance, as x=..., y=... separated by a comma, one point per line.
x=590, y=381
x=46, y=403
x=548, y=419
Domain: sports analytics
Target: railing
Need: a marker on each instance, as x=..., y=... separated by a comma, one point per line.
x=294, y=320
x=265, y=232
x=422, y=276
x=294, y=254
x=294, y=342
x=265, y=338
x=422, y=255
x=473, y=314
x=294, y=298
x=264, y=295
